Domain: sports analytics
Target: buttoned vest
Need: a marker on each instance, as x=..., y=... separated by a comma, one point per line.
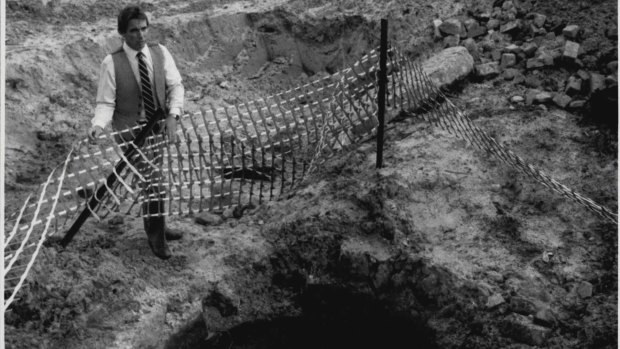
x=128, y=97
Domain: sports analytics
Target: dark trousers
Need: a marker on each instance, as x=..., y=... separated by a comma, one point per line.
x=148, y=161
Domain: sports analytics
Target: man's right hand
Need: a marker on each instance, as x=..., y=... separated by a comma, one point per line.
x=94, y=132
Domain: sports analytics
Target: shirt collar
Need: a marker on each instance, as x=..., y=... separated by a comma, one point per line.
x=131, y=52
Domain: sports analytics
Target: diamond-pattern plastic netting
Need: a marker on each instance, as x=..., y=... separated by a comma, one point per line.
x=240, y=154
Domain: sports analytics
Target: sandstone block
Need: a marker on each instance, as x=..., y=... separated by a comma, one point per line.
x=577, y=104
x=508, y=60
x=448, y=66
x=529, y=48
x=539, y=20
x=476, y=30
x=206, y=218
x=512, y=48
x=534, y=63
x=493, y=24
x=510, y=73
x=487, y=70
x=437, y=33
x=597, y=82
x=451, y=41
x=561, y=100
x=494, y=300
x=584, y=289
x=543, y=98
x=510, y=27
x=573, y=86
x=571, y=50
x=521, y=329
x=571, y=31
x=517, y=99
x=451, y=26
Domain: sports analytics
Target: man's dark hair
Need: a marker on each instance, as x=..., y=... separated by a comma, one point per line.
x=127, y=14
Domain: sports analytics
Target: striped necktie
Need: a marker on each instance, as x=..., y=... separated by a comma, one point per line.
x=147, y=92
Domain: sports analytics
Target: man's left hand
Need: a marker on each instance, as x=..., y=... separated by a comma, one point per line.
x=171, y=127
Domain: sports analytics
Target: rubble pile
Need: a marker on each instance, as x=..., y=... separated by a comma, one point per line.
x=548, y=61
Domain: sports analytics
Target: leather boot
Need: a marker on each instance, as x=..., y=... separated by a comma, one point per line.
x=155, y=231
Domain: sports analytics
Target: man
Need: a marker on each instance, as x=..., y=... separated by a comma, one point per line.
x=135, y=82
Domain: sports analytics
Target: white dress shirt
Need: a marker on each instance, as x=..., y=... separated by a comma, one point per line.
x=106, y=90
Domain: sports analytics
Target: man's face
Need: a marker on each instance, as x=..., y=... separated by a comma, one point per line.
x=135, y=37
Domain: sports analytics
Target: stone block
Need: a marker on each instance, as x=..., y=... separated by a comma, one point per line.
x=542, y=98
x=508, y=60
x=510, y=27
x=561, y=100
x=507, y=5
x=206, y=218
x=448, y=66
x=521, y=329
x=583, y=75
x=494, y=300
x=577, y=104
x=571, y=31
x=571, y=50
x=487, y=70
x=451, y=41
x=597, y=82
x=519, y=304
x=584, y=289
x=573, y=86
x=510, y=73
x=476, y=30
x=529, y=48
x=496, y=55
x=517, y=99
x=534, y=63
x=512, y=48
x=529, y=100
x=493, y=24
x=437, y=33
x=539, y=20
x=545, y=317
x=472, y=48
x=451, y=26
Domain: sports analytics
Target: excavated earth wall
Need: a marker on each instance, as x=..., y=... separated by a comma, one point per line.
x=444, y=247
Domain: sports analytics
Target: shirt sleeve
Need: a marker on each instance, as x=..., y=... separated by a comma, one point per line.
x=174, y=86
x=106, y=94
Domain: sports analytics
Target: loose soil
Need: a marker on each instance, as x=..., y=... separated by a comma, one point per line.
x=444, y=247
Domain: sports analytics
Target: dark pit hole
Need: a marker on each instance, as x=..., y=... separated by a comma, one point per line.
x=332, y=317
x=267, y=29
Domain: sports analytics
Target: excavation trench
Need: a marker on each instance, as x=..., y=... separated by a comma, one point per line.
x=323, y=285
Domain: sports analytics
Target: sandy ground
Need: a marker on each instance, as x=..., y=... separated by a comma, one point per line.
x=482, y=256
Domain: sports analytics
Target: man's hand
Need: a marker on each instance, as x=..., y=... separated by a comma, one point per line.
x=171, y=127
x=94, y=132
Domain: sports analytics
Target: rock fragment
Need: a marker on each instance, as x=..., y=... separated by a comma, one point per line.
x=577, y=104
x=207, y=218
x=543, y=97
x=451, y=41
x=571, y=31
x=508, y=60
x=437, y=33
x=571, y=50
x=493, y=24
x=451, y=26
x=545, y=317
x=494, y=300
x=510, y=27
x=529, y=48
x=539, y=20
x=534, y=63
x=584, y=289
x=448, y=66
x=573, y=86
x=521, y=329
x=487, y=70
x=561, y=100
x=597, y=82
x=517, y=99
